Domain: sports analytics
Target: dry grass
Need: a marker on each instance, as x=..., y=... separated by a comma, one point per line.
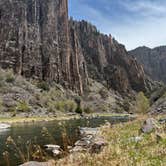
x=121, y=151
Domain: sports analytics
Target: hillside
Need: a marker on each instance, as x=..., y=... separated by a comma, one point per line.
x=153, y=60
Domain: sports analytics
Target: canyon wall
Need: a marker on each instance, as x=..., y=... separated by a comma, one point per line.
x=107, y=60
x=38, y=41
x=34, y=41
x=153, y=60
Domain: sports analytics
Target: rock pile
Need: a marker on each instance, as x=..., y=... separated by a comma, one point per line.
x=90, y=141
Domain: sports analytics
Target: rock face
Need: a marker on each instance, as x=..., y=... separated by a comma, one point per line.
x=38, y=41
x=153, y=60
x=34, y=41
x=107, y=60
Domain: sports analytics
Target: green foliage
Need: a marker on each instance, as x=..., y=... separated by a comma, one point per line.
x=79, y=110
x=63, y=106
x=142, y=103
x=1, y=105
x=88, y=110
x=43, y=85
x=23, y=107
x=10, y=77
x=126, y=105
x=78, y=100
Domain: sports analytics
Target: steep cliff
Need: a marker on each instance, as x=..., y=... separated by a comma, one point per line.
x=107, y=60
x=153, y=60
x=34, y=41
x=38, y=41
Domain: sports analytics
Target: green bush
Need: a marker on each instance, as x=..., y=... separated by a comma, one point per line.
x=1, y=105
x=10, y=77
x=79, y=110
x=64, y=106
x=88, y=110
x=43, y=85
x=23, y=107
x=142, y=103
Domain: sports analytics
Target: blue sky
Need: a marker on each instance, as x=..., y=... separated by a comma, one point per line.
x=132, y=22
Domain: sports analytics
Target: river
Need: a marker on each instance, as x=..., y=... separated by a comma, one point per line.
x=33, y=132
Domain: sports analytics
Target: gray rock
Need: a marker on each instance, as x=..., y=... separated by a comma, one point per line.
x=136, y=139
x=51, y=147
x=88, y=131
x=78, y=149
x=149, y=125
x=34, y=163
x=55, y=149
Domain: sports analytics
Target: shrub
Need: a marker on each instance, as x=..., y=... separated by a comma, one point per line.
x=142, y=103
x=79, y=110
x=88, y=110
x=10, y=77
x=23, y=107
x=43, y=85
x=78, y=100
x=66, y=105
x=1, y=105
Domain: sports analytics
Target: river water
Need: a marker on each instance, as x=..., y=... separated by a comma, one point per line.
x=32, y=131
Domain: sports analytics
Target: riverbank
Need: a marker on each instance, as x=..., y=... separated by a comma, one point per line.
x=13, y=120
x=126, y=146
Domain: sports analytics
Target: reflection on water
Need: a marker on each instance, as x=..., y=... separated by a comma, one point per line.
x=29, y=131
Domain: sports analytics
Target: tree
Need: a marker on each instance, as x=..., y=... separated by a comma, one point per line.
x=142, y=103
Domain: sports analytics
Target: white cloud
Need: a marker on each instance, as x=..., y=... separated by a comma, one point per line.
x=146, y=27
x=145, y=7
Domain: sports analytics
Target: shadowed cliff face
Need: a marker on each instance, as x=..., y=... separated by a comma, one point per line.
x=153, y=60
x=34, y=41
x=38, y=41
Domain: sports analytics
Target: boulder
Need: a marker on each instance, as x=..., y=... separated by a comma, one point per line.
x=149, y=125
x=55, y=149
x=78, y=149
x=56, y=152
x=51, y=147
x=35, y=163
x=90, y=141
x=97, y=146
x=88, y=131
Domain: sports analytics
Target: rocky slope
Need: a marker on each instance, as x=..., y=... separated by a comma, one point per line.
x=19, y=97
x=38, y=41
x=153, y=60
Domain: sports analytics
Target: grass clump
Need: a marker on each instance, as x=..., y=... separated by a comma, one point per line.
x=43, y=86
x=10, y=77
x=23, y=106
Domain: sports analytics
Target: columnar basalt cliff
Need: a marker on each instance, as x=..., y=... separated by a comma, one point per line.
x=153, y=60
x=107, y=60
x=38, y=41
x=34, y=41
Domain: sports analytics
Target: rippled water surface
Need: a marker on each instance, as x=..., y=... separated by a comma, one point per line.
x=32, y=131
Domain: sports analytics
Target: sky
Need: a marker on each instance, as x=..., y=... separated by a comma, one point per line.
x=133, y=23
